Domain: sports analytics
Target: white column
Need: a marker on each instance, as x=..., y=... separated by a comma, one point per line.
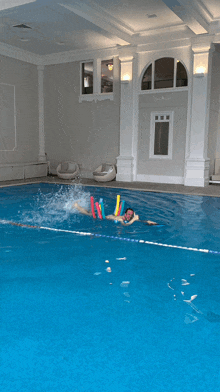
x=216, y=175
x=217, y=154
x=135, y=113
x=125, y=159
x=197, y=162
x=42, y=156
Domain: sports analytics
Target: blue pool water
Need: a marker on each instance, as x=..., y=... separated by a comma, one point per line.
x=70, y=321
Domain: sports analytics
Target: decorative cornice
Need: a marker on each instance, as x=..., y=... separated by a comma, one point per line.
x=167, y=41
x=20, y=54
x=164, y=30
x=164, y=45
x=78, y=55
x=203, y=10
x=126, y=53
x=202, y=43
x=217, y=38
x=126, y=59
x=11, y=4
x=189, y=13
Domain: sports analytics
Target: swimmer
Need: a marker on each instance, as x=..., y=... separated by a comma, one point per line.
x=127, y=219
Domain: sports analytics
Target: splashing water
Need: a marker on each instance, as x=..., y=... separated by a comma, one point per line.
x=56, y=207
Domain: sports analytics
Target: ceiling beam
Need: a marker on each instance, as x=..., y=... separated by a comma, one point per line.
x=6, y=4
x=189, y=14
x=99, y=17
x=192, y=7
x=203, y=11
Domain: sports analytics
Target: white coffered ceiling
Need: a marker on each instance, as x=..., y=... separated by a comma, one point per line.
x=56, y=26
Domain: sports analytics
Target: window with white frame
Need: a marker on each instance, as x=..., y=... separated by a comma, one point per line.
x=165, y=72
x=96, y=80
x=161, y=135
x=107, y=76
x=87, y=78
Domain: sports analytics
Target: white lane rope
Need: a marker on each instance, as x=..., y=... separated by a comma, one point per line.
x=111, y=237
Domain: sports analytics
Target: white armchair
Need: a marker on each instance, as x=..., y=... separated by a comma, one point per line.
x=67, y=170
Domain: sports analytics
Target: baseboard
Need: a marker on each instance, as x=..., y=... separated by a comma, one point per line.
x=21, y=171
x=160, y=179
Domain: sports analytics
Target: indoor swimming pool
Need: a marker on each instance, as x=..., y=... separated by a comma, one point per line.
x=90, y=305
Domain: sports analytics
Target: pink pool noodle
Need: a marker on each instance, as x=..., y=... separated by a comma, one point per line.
x=98, y=210
x=119, y=211
x=92, y=207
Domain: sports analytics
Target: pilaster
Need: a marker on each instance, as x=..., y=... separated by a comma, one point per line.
x=197, y=162
x=125, y=159
x=42, y=156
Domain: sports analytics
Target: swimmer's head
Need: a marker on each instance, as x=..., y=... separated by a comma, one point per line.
x=129, y=214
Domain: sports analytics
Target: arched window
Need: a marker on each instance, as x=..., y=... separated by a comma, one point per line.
x=165, y=72
x=181, y=75
x=147, y=79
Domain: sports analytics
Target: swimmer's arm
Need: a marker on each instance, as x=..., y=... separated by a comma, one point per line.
x=150, y=223
x=81, y=209
x=113, y=217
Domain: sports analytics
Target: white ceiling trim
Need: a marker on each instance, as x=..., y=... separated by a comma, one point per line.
x=170, y=34
x=216, y=39
x=188, y=15
x=6, y=4
x=79, y=55
x=201, y=8
x=202, y=43
x=167, y=41
x=62, y=57
x=164, y=45
x=20, y=54
x=101, y=12
x=171, y=29
x=82, y=55
x=103, y=20
x=195, y=13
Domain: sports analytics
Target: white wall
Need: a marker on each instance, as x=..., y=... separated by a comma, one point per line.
x=172, y=101
x=87, y=132
x=23, y=79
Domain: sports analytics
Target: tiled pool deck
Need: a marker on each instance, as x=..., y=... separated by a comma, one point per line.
x=210, y=190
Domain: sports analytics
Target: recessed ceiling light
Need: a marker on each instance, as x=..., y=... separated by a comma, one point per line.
x=151, y=16
x=22, y=26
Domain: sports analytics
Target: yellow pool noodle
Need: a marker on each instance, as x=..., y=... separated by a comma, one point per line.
x=117, y=205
